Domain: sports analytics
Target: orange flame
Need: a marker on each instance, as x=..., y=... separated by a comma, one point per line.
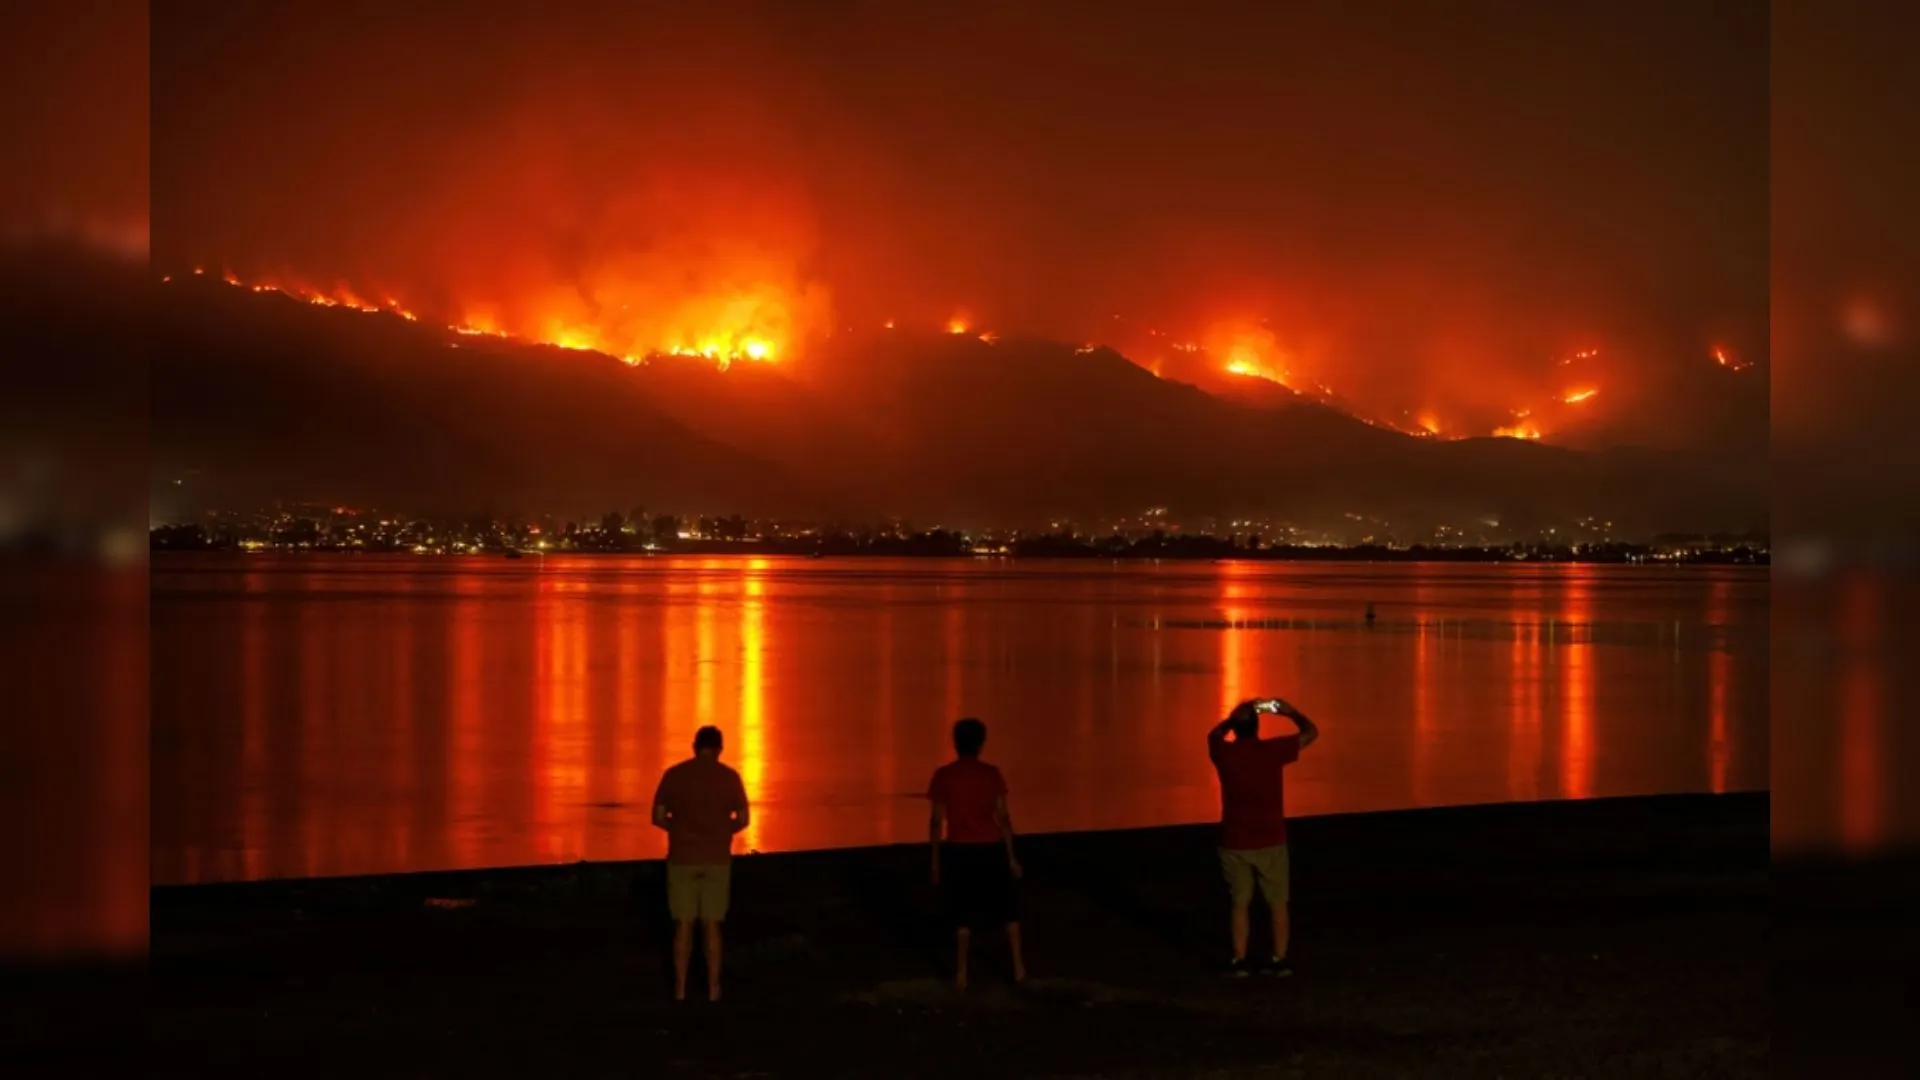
x=761, y=320
x=748, y=317
x=1249, y=369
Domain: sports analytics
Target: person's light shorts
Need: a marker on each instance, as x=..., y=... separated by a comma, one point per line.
x=698, y=892
x=1265, y=867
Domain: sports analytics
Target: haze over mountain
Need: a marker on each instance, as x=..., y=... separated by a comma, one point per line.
x=260, y=397
x=1422, y=214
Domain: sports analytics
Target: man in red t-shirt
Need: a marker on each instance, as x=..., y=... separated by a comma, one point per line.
x=1253, y=819
x=975, y=866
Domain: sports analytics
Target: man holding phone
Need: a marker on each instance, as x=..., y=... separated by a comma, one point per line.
x=1253, y=819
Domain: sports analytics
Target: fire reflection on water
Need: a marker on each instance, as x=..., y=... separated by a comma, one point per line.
x=418, y=714
x=1527, y=687
x=1576, y=697
x=751, y=650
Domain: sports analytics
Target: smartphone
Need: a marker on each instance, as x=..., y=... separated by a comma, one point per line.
x=1270, y=705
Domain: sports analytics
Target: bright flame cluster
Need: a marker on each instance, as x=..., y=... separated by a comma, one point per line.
x=746, y=327
x=340, y=296
x=1522, y=427
x=723, y=347
x=1252, y=369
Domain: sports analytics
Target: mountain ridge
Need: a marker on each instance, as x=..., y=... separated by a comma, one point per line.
x=933, y=427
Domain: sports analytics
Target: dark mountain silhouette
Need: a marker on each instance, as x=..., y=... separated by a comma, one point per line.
x=1042, y=428
x=264, y=397
x=263, y=394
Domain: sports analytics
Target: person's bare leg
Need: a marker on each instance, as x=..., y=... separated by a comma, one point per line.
x=963, y=939
x=1282, y=927
x=1239, y=931
x=713, y=959
x=1019, y=959
x=682, y=956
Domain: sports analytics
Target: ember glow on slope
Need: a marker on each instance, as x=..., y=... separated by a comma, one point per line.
x=747, y=181
x=724, y=346
x=1235, y=349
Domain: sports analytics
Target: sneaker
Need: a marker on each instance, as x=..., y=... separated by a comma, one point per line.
x=1276, y=966
x=1239, y=969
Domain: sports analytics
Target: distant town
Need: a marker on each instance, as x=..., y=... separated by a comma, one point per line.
x=1151, y=535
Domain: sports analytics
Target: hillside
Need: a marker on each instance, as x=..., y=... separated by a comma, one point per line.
x=264, y=396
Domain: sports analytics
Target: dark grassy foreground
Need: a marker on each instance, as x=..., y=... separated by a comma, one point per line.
x=1610, y=938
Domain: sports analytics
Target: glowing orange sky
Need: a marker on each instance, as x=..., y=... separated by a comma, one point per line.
x=732, y=182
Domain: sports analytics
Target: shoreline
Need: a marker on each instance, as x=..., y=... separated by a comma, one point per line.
x=535, y=876
x=1608, y=937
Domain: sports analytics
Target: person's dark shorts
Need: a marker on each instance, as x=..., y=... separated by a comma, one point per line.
x=977, y=885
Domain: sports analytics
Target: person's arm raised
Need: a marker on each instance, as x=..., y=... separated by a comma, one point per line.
x=1309, y=731
x=1217, y=738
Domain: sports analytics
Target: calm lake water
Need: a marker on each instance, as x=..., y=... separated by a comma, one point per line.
x=323, y=715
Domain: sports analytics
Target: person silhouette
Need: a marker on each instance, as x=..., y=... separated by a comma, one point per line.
x=702, y=805
x=1253, y=821
x=974, y=863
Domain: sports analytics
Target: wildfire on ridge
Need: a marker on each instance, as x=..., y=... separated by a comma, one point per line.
x=720, y=348
x=341, y=296
x=1522, y=427
x=1255, y=352
x=1242, y=351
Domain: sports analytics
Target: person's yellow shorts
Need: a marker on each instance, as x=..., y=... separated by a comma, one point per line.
x=1266, y=867
x=698, y=892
